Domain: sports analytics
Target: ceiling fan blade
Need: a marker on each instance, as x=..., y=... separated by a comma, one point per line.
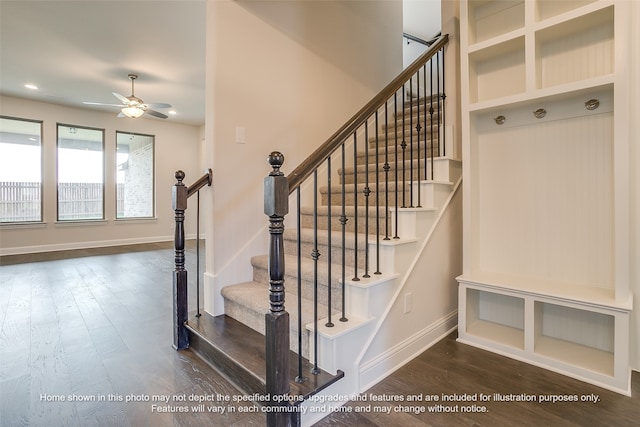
x=158, y=105
x=121, y=98
x=100, y=103
x=156, y=114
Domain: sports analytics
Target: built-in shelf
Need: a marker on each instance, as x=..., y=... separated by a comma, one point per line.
x=545, y=277
x=497, y=317
x=573, y=337
x=497, y=71
x=557, y=93
x=589, y=358
x=488, y=19
x=546, y=9
x=603, y=296
x=495, y=332
x=580, y=49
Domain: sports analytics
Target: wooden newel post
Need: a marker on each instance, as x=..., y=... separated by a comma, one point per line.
x=276, y=206
x=179, y=201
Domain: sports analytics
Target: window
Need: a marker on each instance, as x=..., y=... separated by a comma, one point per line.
x=135, y=175
x=80, y=173
x=20, y=170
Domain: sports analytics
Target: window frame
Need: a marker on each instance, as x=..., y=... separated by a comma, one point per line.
x=153, y=178
x=103, y=216
x=41, y=146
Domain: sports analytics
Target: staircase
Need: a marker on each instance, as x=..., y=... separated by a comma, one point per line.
x=364, y=220
x=247, y=302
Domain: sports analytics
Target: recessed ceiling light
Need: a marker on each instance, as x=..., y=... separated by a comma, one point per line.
x=31, y=86
x=173, y=113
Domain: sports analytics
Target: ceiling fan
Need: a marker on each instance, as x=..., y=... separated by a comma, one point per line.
x=134, y=107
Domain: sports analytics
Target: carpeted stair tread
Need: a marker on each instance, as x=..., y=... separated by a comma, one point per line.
x=307, y=270
x=390, y=150
x=391, y=186
x=307, y=236
x=416, y=170
x=254, y=296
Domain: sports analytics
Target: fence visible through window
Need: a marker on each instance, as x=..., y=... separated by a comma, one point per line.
x=20, y=201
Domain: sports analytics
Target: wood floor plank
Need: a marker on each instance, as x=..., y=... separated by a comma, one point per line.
x=14, y=401
x=15, y=346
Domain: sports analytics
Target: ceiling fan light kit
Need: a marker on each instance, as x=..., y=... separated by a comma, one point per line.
x=132, y=112
x=134, y=107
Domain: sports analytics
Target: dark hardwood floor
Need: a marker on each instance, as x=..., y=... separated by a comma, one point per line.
x=96, y=324
x=450, y=368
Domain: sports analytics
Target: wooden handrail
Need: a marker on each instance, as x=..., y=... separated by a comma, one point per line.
x=419, y=40
x=306, y=168
x=205, y=179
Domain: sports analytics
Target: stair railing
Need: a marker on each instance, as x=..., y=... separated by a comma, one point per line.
x=411, y=38
x=180, y=196
x=394, y=165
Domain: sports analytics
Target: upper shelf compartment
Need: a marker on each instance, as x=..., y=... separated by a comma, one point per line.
x=575, y=50
x=497, y=71
x=549, y=8
x=492, y=18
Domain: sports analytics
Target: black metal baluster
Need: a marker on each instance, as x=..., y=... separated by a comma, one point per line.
x=395, y=169
x=315, y=254
x=431, y=111
x=443, y=150
x=355, y=204
x=411, y=143
x=198, y=254
x=418, y=129
x=404, y=147
x=343, y=222
x=386, y=168
x=377, y=196
x=300, y=378
x=427, y=141
x=329, y=322
x=366, y=192
x=438, y=62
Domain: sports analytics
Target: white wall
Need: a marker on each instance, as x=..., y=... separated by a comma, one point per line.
x=432, y=287
x=289, y=73
x=176, y=147
x=634, y=164
x=421, y=18
x=450, y=10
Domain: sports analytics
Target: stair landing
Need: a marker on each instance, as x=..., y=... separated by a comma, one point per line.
x=238, y=352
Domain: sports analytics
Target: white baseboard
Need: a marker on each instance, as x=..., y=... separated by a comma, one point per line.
x=383, y=365
x=87, y=245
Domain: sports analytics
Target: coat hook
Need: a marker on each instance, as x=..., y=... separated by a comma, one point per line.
x=540, y=113
x=500, y=120
x=592, y=104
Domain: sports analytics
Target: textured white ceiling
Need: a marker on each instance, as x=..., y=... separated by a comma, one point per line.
x=79, y=51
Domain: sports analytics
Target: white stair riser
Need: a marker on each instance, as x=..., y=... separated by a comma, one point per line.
x=336, y=352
